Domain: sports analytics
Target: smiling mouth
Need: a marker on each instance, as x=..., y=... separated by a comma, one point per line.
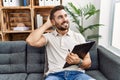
x=65, y=22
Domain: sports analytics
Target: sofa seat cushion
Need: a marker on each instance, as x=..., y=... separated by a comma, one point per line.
x=16, y=76
x=96, y=74
x=35, y=76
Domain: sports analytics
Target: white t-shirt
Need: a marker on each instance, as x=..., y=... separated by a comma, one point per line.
x=57, y=49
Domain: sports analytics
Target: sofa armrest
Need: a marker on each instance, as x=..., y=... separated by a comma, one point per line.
x=109, y=63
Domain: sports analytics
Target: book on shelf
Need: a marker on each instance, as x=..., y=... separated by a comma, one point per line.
x=25, y=2
x=81, y=50
x=39, y=20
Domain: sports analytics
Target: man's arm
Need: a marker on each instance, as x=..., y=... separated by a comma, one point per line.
x=36, y=38
x=74, y=59
x=86, y=62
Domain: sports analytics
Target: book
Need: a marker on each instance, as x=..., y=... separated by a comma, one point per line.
x=81, y=50
x=39, y=20
x=25, y=2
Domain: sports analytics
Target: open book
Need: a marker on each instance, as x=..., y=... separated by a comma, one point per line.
x=81, y=50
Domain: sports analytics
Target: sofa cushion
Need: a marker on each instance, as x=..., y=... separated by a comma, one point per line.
x=17, y=76
x=12, y=56
x=35, y=76
x=96, y=74
x=35, y=59
x=94, y=57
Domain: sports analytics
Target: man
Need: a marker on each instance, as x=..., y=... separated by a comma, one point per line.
x=59, y=43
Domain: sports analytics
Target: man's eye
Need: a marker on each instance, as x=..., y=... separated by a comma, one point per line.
x=66, y=15
x=59, y=17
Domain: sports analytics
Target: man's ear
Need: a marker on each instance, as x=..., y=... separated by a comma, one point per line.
x=53, y=22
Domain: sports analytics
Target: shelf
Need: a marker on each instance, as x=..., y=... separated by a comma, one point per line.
x=1, y=36
x=16, y=7
x=15, y=36
x=43, y=7
x=12, y=18
x=11, y=31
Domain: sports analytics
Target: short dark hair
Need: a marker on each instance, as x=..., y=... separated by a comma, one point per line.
x=56, y=8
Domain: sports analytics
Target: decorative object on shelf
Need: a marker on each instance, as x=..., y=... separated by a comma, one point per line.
x=21, y=27
x=79, y=15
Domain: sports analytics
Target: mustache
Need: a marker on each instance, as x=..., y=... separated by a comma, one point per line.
x=65, y=22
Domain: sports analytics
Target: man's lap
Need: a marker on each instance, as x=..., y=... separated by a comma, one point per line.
x=68, y=75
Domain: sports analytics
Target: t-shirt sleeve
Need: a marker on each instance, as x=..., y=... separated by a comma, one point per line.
x=46, y=37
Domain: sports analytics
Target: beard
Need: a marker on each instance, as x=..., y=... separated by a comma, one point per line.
x=63, y=26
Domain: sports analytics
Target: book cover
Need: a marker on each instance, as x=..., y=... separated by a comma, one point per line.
x=81, y=50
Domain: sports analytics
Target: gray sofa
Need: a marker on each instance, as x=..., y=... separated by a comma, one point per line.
x=19, y=61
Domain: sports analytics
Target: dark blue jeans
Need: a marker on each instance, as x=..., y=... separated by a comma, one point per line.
x=68, y=75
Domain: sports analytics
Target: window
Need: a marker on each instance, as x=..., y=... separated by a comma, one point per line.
x=110, y=32
x=116, y=25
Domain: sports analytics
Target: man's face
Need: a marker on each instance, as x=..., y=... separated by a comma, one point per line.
x=61, y=20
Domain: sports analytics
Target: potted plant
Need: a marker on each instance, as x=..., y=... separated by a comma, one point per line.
x=80, y=14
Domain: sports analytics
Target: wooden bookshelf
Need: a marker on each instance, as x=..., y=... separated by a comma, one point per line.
x=11, y=16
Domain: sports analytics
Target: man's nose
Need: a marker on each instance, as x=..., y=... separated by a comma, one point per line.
x=65, y=18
